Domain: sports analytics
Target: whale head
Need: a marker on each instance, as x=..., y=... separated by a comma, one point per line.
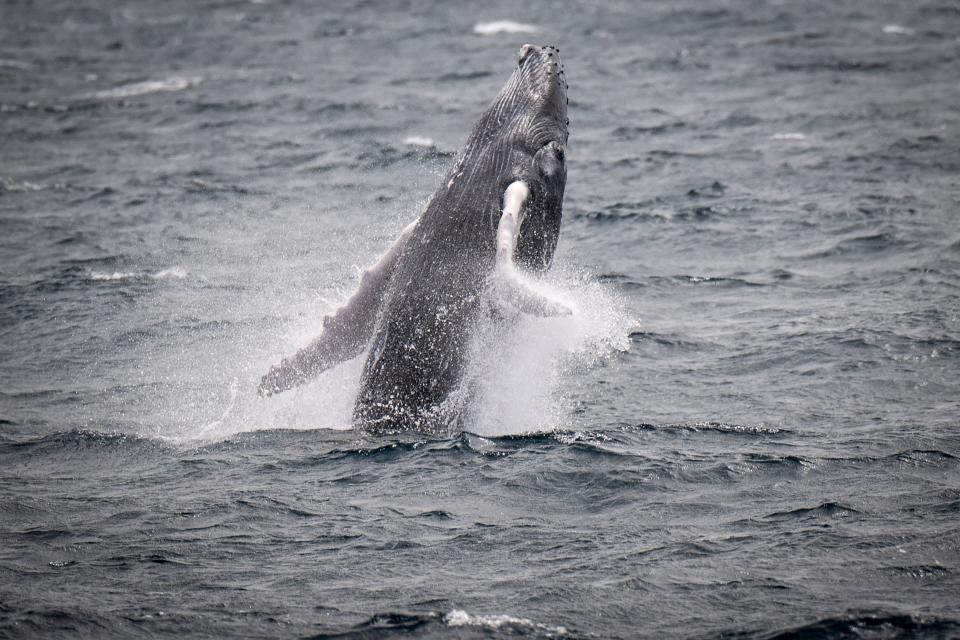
x=522, y=136
x=535, y=97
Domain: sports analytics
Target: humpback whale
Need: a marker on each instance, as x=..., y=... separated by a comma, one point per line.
x=495, y=215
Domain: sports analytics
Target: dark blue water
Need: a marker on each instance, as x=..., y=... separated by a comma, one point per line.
x=748, y=429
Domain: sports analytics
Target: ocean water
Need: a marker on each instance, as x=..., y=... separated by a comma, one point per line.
x=747, y=429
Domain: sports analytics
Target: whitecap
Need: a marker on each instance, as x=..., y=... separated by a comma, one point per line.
x=419, y=141
x=170, y=272
x=460, y=618
x=10, y=63
x=20, y=186
x=789, y=136
x=897, y=30
x=173, y=83
x=116, y=275
x=503, y=26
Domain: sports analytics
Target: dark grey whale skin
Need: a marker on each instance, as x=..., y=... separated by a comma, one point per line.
x=431, y=304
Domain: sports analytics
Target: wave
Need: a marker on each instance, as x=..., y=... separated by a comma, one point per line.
x=789, y=136
x=436, y=623
x=419, y=141
x=868, y=624
x=327, y=446
x=178, y=273
x=627, y=281
x=348, y=443
x=613, y=215
x=635, y=131
x=728, y=428
x=881, y=241
x=503, y=26
x=172, y=83
x=918, y=458
x=10, y=63
x=824, y=510
x=79, y=446
x=55, y=620
x=25, y=186
x=918, y=572
x=834, y=64
x=511, y=624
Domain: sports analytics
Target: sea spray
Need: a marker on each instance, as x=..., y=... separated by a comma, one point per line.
x=516, y=367
x=518, y=361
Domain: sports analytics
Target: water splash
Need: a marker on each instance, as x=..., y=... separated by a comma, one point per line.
x=518, y=361
x=517, y=364
x=224, y=387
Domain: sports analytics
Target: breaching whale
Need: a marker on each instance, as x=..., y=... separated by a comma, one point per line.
x=496, y=214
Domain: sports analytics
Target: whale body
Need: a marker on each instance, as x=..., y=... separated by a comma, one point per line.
x=496, y=214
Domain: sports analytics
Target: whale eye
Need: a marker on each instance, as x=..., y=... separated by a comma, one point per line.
x=550, y=159
x=558, y=151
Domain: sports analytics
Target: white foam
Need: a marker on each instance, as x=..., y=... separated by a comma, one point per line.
x=173, y=83
x=116, y=275
x=21, y=186
x=419, y=141
x=170, y=272
x=788, y=136
x=897, y=30
x=515, y=370
x=208, y=373
x=518, y=362
x=503, y=26
x=10, y=63
x=460, y=618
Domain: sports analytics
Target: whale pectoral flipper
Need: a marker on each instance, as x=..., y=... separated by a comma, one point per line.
x=346, y=332
x=509, y=282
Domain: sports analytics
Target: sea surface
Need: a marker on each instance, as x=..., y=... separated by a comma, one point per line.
x=749, y=428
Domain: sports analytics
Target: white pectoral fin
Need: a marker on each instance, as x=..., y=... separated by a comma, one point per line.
x=516, y=291
x=346, y=332
x=511, y=217
x=510, y=283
